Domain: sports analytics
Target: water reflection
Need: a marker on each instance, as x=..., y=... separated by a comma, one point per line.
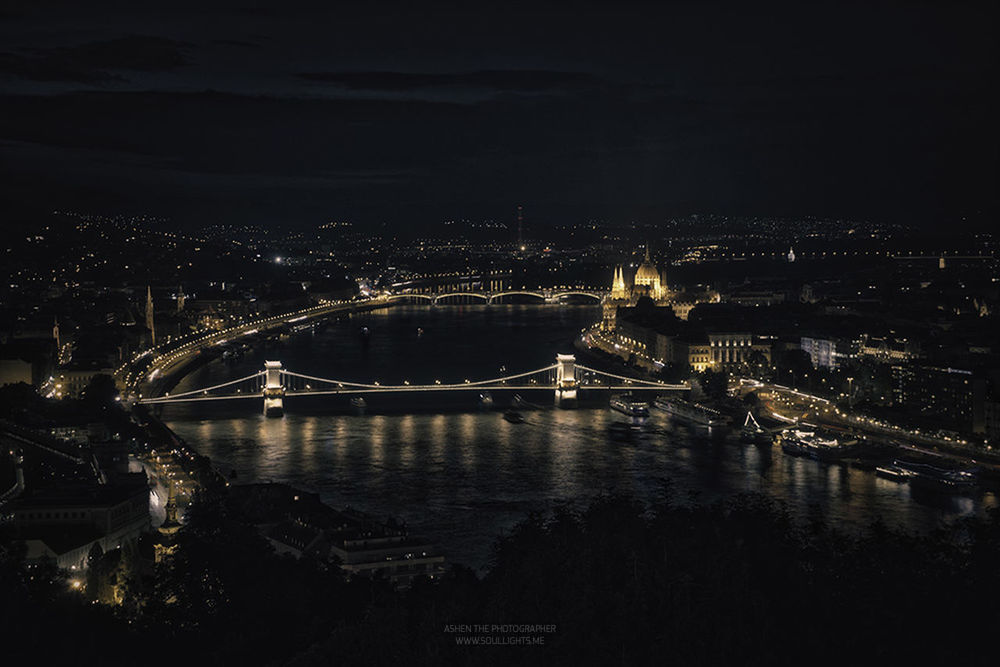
x=462, y=476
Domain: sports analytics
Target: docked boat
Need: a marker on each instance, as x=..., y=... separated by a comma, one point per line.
x=630, y=406
x=486, y=399
x=753, y=432
x=513, y=417
x=815, y=445
x=894, y=472
x=937, y=477
x=688, y=411
x=359, y=403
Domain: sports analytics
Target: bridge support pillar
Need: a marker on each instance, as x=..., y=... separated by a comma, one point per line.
x=274, y=389
x=566, y=383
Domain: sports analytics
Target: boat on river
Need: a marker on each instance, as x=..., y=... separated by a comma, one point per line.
x=937, y=477
x=514, y=417
x=753, y=432
x=691, y=412
x=637, y=411
x=893, y=471
x=817, y=445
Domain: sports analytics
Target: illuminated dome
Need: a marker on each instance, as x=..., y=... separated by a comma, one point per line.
x=648, y=275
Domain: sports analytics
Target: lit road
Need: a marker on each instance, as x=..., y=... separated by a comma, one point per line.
x=787, y=405
x=157, y=362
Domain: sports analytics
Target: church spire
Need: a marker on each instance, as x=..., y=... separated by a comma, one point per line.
x=618, y=284
x=171, y=507
x=166, y=543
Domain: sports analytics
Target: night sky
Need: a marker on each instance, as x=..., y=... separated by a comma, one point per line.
x=295, y=117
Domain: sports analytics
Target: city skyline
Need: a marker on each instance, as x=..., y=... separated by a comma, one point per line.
x=614, y=334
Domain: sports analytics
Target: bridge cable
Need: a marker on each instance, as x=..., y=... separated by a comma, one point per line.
x=218, y=386
x=360, y=385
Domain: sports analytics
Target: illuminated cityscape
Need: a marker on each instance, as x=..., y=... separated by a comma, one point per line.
x=628, y=335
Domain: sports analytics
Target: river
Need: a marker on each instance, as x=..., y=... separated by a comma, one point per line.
x=460, y=474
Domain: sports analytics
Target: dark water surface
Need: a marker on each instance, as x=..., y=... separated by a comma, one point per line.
x=460, y=474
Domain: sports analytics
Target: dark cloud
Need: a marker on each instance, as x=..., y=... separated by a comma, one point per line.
x=498, y=80
x=47, y=68
x=237, y=42
x=139, y=53
x=95, y=62
x=623, y=113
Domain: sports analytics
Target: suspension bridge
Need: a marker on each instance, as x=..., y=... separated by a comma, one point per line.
x=274, y=383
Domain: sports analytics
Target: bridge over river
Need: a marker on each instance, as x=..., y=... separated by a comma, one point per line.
x=274, y=384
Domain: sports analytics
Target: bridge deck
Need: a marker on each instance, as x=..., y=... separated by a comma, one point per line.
x=415, y=389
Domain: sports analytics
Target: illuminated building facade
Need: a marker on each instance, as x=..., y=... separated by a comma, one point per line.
x=64, y=524
x=730, y=348
x=822, y=352
x=888, y=349
x=648, y=282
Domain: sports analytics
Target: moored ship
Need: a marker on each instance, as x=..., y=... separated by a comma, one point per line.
x=693, y=413
x=895, y=472
x=631, y=407
x=925, y=474
x=753, y=432
x=814, y=445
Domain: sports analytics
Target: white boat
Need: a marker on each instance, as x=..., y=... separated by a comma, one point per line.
x=694, y=413
x=631, y=407
x=814, y=445
x=894, y=472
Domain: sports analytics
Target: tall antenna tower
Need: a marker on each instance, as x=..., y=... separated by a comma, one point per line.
x=520, y=227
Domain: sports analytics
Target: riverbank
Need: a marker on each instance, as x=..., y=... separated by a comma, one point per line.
x=168, y=369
